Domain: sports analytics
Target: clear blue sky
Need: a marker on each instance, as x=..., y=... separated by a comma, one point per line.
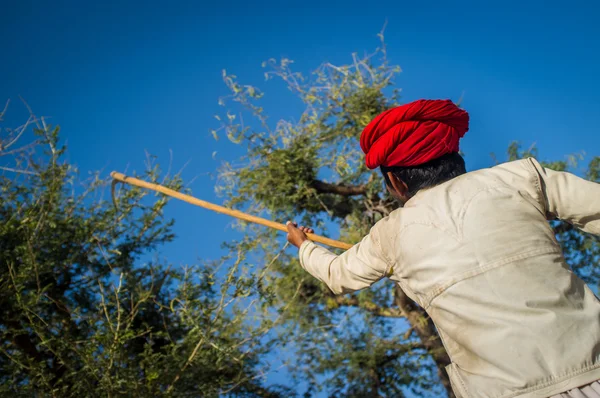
x=124, y=77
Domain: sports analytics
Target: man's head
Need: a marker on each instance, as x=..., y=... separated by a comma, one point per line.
x=416, y=145
x=404, y=182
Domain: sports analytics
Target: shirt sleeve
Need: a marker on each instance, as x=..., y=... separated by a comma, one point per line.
x=356, y=269
x=570, y=198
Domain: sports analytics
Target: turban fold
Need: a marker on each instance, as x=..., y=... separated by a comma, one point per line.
x=413, y=134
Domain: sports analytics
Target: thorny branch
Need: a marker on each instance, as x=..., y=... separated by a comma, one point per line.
x=9, y=137
x=352, y=301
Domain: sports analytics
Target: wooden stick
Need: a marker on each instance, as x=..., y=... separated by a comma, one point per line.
x=223, y=210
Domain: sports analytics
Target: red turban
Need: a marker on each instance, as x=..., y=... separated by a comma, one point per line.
x=413, y=134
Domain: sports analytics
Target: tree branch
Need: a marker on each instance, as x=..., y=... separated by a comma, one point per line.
x=398, y=349
x=351, y=301
x=339, y=189
x=4, y=110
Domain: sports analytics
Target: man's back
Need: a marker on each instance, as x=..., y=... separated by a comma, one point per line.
x=479, y=255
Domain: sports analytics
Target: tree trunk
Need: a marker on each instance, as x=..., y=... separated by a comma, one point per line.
x=425, y=329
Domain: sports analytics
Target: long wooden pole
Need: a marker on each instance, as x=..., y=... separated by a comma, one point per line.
x=223, y=210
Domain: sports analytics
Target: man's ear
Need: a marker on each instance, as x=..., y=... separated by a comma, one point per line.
x=397, y=184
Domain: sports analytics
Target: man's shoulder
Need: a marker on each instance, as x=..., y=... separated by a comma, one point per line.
x=521, y=175
x=516, y=164
x=510, y=171
x=512, y=175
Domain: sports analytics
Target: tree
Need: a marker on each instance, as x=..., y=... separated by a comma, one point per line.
x=377, y=342
x=85, y=308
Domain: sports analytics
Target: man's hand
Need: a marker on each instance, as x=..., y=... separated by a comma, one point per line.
x=297, y=235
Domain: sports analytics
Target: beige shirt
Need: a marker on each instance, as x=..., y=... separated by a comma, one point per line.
x=478, y=254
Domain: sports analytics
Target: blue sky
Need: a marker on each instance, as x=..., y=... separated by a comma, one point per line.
x=122, y=78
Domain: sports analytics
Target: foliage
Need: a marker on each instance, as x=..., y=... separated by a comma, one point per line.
x=85, y=307
x=88, y=310
x=376, y=342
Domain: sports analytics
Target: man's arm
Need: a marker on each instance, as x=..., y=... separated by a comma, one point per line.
x=358, y=268
x=570, y=198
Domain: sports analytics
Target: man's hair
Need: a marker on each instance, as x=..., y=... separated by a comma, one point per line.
x=428, y=174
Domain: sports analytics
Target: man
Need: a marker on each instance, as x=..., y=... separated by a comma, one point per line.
x=476, y=251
